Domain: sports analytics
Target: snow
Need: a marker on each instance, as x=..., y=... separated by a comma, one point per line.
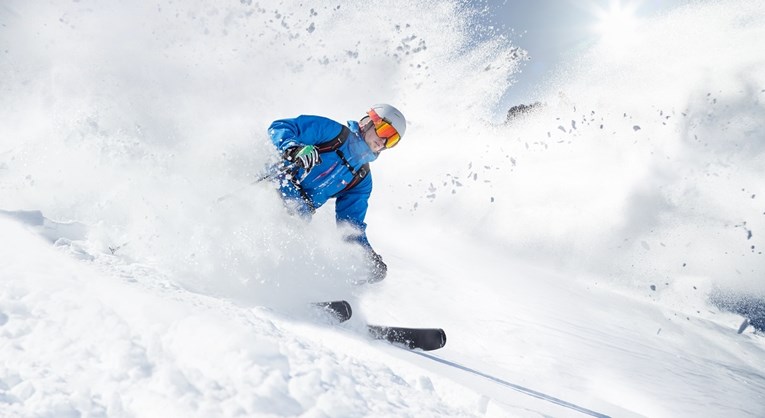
x=572, y=268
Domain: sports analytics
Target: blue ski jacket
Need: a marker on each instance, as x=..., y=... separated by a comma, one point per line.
x=329, y=178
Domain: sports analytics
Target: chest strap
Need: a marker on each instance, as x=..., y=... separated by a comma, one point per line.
x=334, y=145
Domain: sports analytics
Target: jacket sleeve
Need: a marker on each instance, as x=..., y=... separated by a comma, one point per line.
x=304, y=129
x=351, y=207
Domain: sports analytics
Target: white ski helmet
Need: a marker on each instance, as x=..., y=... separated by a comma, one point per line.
x=392, y=116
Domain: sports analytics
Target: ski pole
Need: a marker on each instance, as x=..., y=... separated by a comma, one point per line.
x=267, y=176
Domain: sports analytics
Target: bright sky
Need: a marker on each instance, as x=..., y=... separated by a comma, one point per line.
x=554, y=31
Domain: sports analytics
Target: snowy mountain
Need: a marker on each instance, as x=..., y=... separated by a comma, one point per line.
x=574, y=256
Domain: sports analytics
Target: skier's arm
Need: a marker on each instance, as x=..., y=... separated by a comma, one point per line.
x=351, y=207
x=302, y=130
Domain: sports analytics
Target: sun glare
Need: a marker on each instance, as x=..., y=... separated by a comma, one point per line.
x=617, y=25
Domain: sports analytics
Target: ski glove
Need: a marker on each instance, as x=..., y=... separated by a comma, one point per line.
x=378, y=269
x=306, y=156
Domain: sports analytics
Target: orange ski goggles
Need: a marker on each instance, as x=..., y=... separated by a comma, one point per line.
x=384, y=129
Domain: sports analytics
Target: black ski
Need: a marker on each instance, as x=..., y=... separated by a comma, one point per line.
x=339, y=310
x=425, y=339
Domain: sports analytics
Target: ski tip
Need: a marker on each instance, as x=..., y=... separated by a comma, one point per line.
x=346, y=309
x=340, y=310
x=438, y=342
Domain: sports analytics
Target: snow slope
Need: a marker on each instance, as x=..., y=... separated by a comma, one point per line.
x=570, y=255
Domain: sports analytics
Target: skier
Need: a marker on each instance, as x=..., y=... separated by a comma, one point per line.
x=324, y=159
